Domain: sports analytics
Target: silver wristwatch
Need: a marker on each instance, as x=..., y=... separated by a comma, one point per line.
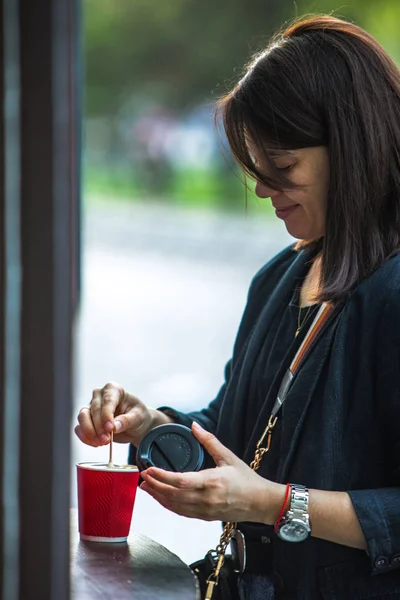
x=295, y=525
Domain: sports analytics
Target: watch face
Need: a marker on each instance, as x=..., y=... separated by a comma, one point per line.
x=294, y=531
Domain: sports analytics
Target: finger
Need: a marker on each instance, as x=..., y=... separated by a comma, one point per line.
x=81, y=435
x=220, y=453
x=86, y=425
x=132, y=420
x=95, y=412
x=112, y=395
x=185, y=510
x=171, y=493
x=160, y=499
x=194, y=481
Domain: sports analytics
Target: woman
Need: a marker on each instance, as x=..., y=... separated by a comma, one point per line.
x=316, y=122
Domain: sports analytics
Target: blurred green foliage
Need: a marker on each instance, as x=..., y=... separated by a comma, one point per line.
x=179, y=54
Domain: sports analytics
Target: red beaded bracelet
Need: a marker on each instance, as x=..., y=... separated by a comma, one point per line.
x=287, y=494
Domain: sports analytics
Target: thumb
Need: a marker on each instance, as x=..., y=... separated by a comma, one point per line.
x=221, y=455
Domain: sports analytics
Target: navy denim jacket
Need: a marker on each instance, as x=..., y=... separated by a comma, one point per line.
x=340, y=428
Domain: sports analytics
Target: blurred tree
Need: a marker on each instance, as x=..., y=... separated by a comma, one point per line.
x=148, y=59
x=182, y=51
x=178, y=50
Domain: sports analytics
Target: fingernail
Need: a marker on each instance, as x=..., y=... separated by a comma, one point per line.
x=196, y=425
x=108, y=425
x=118, y=425
x=104, y=438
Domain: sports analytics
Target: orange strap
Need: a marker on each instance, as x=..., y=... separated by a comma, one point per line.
x=316, y=326
x=320, y=319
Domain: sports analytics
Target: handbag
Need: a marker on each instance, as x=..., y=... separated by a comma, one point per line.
x=218, y=572
x=227, y=580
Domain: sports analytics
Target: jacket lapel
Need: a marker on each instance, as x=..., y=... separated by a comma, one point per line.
x=295, y=407
x=304, y=389
x=232, y=418
x=278, y=298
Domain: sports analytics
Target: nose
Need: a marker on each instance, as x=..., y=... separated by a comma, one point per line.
x=264, y=191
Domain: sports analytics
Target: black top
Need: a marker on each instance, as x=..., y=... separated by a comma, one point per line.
x=278, y=349
x=339, y=425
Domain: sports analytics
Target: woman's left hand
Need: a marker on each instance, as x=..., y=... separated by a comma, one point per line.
x=229, y=492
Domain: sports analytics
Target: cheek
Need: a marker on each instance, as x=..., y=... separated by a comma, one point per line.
x=309, y=221
x=312, y=200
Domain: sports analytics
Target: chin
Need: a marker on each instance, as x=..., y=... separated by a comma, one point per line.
x=302, y=233
x=297, y=233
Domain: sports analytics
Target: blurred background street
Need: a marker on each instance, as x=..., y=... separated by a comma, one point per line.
x=168, y=246
x=163, y=293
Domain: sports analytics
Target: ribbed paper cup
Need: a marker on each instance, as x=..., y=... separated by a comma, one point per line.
x=106, y=497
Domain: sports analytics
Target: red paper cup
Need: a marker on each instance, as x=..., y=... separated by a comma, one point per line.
x=106, y=497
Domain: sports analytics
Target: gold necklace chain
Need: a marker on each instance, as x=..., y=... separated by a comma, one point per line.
x=300, y=325
x=309, y=287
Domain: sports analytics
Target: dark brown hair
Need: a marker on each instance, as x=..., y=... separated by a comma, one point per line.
x=326, y=82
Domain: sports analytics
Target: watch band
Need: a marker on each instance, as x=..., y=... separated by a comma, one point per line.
x=295, y=525
x=299, y=501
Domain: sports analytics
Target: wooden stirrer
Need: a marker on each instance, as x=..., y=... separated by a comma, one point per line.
x=110, y=462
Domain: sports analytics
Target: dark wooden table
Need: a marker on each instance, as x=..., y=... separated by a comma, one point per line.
x=142, y=569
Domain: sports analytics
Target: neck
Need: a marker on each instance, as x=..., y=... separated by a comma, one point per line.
x=311, y=285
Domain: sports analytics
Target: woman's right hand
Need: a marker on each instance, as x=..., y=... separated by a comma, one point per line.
x=113, y=409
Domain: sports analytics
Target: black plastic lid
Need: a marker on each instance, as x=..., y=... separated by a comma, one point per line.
x=171, y=447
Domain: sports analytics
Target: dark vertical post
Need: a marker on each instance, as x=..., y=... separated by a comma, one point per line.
x=11, y=298
x=76, y=94
x=2, y=287
x=47, y=29
x=38, y=206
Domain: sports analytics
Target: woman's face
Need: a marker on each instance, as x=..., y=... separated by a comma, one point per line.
x=303, y=210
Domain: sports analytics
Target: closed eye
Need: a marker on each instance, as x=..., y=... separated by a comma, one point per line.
x=288, y=168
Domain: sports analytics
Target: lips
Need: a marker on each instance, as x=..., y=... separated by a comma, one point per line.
x=284, y=211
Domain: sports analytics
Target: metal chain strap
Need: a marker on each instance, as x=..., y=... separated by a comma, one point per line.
x=316, y=326
x=230, y=526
